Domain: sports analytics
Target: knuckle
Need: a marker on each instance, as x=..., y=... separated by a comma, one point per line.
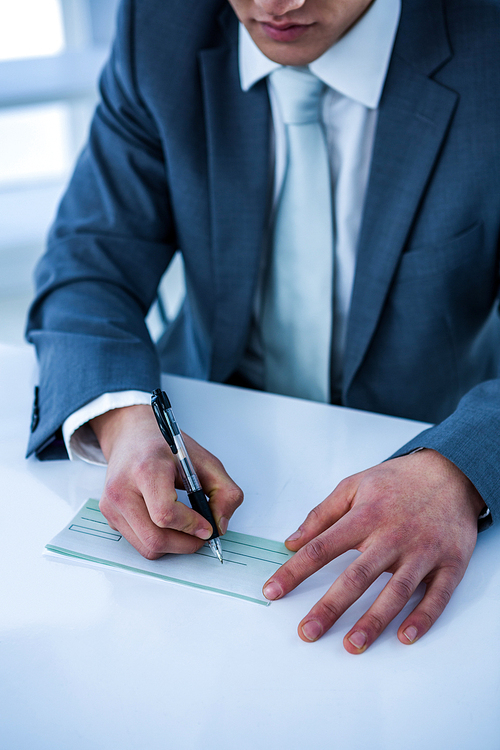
x=291, y=574
x=358, y=576
x=375, y=624
x=111, y=507
x=142, y=470
x=442, y=597
x=109, y=513
x=162, y=517
x=313, y=516
x=429, y=613
x=153, y=546
x=217, y=464
x=456, y=562
x=235, y=497
x=105, y=508
x=327, y=611
x=316, y=552
x=214, y=465
x=288, y=575
x=431, y=550
x=402, y=588
x=112, y=498
x=344, y=486
x=426, y=620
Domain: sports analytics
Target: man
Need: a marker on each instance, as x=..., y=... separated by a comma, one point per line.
x=181, y=153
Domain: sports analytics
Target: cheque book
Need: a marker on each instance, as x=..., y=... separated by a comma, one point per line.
x=248, y=560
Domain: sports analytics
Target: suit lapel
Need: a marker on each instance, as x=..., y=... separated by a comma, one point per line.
x=414, y=115
x=237, y=130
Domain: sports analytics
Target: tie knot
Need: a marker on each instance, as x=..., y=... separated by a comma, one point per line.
x=299, y=94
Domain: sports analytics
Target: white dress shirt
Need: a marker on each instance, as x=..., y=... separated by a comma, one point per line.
x=354, y=70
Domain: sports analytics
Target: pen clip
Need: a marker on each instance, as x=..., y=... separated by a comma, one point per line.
x=160, y=404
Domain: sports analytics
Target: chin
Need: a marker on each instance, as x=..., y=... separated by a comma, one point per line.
x=287, y=54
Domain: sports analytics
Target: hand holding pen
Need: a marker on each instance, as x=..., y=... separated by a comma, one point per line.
x=169, y=429
x=139, y=498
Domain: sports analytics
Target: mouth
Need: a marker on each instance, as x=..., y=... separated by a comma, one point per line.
x=288, y=32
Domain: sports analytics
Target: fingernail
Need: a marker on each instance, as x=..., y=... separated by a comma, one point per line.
x=223, y=524
x=358, y=639
x=203, y=533
x=312, y=630
x=296, y=535
x=272, y=590
x=411, y=633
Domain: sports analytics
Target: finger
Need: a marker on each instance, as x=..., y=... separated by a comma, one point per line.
x=388, y=604
x=324, y=515
x=161, y=542
x=155, y=487
x=223, y=493
x=436, y=597
x=151, y=541
x=348, y=587
x=312, y=556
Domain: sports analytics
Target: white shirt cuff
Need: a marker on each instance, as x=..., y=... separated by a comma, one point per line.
x=79, y=437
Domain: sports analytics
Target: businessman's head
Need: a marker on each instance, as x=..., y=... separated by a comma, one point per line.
x=296, y=32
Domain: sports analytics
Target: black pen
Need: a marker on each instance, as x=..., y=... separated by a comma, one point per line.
x=162, y=409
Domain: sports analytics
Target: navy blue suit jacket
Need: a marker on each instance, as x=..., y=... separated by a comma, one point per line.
x=178, y=158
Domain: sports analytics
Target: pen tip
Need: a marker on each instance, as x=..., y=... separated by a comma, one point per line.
x=216, y=549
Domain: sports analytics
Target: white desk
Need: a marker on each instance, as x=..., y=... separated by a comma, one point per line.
x=93, y=659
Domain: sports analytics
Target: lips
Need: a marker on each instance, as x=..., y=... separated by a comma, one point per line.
x=284, y=32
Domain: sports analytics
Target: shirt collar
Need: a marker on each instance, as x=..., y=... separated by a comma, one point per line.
x=356, y=66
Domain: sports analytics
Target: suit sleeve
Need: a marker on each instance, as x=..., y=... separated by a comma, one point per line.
x=112, y=240
x=470, y=439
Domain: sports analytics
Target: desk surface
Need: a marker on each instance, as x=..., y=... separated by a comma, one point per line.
x=98, y=658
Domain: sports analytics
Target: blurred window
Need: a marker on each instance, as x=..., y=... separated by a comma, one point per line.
x=36, y=143
x=51, y=53
x=30, y=28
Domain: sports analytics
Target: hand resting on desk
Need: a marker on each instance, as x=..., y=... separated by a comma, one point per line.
x=415, y=517
x=139, y=497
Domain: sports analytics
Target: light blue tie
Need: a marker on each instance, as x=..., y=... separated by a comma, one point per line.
x=296, y=335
